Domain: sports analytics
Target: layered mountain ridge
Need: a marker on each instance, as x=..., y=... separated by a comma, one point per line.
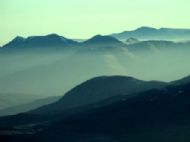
x=40, y=41
x=148, y=114
x=142, y=33
x=149, y=33
x=96, y=90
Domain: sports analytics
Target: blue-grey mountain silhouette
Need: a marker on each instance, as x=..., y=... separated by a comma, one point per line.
x=149, y=33
x=103, y=41
x=52, y=40
x=96, y=90
x=153, y=115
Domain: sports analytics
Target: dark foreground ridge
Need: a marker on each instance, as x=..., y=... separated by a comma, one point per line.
x=153, y=115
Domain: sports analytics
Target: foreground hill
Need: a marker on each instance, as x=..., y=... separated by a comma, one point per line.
x=154, y=115
x=184, y=80
x=96, y=90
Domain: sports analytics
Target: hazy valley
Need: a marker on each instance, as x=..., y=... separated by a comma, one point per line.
x=120, y=87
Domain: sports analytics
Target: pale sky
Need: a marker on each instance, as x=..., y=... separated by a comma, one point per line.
x=85, y=18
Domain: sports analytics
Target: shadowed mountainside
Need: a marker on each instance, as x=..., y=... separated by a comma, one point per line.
x=96, y=90
x=153, y=115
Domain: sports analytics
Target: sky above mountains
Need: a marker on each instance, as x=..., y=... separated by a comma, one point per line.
x=85, y=18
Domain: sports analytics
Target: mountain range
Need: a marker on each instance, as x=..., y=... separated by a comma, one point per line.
x=99, y=95
x=106, y=41
x=108, y=87
x=160, y=113
x=89, y=92
x=40, y=41
x=142, y=33
x=97, y=43
x=39, y=61
x=149, y=33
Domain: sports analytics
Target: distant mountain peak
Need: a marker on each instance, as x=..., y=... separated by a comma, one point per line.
x=17, y=41
x=53, y=35
x=149, y=33
x=146, y=28
x=19, y=38
x=105, y=41
x=40, y=41
x=50, y=36
x=100, y=38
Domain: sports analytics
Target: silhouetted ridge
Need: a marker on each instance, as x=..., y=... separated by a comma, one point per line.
x=149, y=33
x=17, y=41
x=98, y=89
x=146, y=29
x=103, y=41
x=51, y=40
x=152, y=115
x=100, y=39
x=148, y=116
x=156, y=43
x=184, y=80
